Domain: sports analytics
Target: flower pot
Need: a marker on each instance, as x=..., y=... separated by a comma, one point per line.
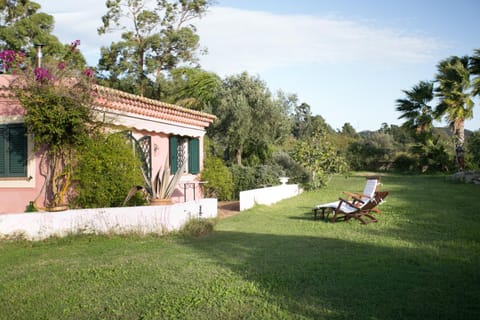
x=57, y=208
x=161, y=202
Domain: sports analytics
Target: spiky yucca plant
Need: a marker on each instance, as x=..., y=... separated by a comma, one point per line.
x=162, y=186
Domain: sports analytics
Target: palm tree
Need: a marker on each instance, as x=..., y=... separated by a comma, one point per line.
x=416, y=110
x=456, y=103
x=475, y=71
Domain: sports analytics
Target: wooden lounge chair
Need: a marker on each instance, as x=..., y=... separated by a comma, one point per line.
x=358, y=209
x=371, y=186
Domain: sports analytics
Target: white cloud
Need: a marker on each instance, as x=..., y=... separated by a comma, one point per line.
x=79, y=20
x=240, y=40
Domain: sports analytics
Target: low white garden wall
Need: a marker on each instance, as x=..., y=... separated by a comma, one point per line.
x=268, y=195
x=144, y=219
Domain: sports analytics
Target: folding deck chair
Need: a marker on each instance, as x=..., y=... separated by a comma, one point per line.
x=357, y=200
x=360, y=209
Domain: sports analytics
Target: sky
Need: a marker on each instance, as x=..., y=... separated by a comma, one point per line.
x=348, y=59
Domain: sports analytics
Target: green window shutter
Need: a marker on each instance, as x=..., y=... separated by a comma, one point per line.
x=173, y=154
x=17, y=151
x=3, y=151
x=193, y=156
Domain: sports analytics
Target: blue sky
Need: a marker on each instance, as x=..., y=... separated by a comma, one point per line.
x=348, y=59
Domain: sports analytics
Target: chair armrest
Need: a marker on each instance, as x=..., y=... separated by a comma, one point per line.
x=350, y=194
x=350, y=204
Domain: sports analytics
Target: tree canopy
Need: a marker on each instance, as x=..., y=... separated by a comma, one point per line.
x=155, y=38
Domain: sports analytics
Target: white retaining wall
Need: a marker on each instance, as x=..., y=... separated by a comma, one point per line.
x=144, y=219
x=267, y=196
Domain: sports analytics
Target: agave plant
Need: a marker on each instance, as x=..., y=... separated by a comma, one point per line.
x=162, y=186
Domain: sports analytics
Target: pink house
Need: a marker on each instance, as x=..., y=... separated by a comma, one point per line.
x=160, y=129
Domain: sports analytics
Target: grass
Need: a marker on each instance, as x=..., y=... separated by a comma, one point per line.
x=420, y=261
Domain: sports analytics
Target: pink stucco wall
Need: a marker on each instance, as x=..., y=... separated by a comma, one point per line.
x=16, y=199
x=13, y=200
x=188, y=183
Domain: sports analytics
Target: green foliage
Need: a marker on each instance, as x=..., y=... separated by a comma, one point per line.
x=56, y=118
x=219, y=179
x=105, y=171
x=475, y=71
x=247, y=178
x=319, y=156
x=432, y=157
x=405, y=163
x=198, y=227
x=163, y=186
x=192, y=88
x=415, y=108
x=57, y=98
x=23, y=26
x=250, y=121
x=456, y=104
x=473, y=149
x=157, y=39
x=291, y=168
x=374, y=151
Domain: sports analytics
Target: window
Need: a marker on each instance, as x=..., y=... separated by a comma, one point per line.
x=13, y=150
x=184, y=150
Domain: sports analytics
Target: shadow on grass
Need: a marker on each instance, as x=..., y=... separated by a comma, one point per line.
x=323, y=278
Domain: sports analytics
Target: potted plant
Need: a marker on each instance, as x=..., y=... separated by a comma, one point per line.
x=161, y=188
x=163, y=185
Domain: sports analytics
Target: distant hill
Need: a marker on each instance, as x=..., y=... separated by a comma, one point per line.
x=445, y=131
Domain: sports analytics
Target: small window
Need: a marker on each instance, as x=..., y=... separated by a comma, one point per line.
x=184, y=150
x=13, y=150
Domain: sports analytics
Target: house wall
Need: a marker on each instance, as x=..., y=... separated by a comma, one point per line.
x=189, y=186
x=16, y=193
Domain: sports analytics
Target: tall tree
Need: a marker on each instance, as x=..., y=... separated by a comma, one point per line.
x=193, y=88
x=249, y=119
x=417, y=111
x=319, y=156
x=348, y=130
x=456, y=104
x=156, y=38
x=22, y=27
x=302, y=126
x=475, y=71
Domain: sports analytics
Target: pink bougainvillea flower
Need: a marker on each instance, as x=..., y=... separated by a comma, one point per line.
x=10, y=58
x=89, y=73
x=61, y=65
x=42, y=74
x=74, y=45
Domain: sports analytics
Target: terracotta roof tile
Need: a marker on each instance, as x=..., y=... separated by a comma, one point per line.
x=116, y=100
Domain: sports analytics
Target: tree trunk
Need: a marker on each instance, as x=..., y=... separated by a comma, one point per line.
x=459, y=145
x=238, y=155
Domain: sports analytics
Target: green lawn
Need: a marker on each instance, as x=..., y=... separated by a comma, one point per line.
x=420, y=261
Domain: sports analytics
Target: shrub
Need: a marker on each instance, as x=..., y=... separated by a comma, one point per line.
x=246, y=178
x=405, y=163
x=220, y=183
x=292, y=169
x=105, y=171
x=198, y=227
